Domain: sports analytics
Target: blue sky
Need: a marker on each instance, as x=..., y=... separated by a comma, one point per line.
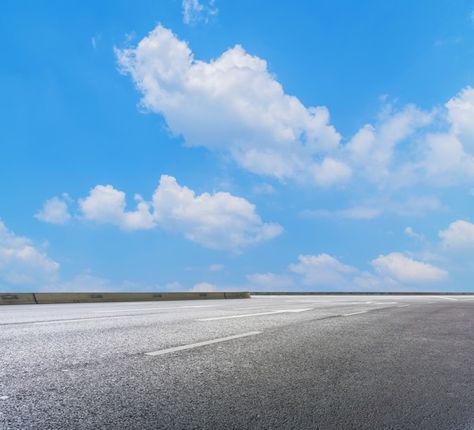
x=204, y=145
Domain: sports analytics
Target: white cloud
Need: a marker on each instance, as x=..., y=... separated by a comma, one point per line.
x=106, y=205
x=330, y=172
x=412, y=233
x=55, y=211
x=195, y=11
x=392, y=271
x=449, y=156
x=376, y=150
x=204, y=287
x=446, y=160
x=23, y=264
x=461, y=116
x=458, y=236
x=406, y=270
x=323, y=270
x=410, y=146
x=219, y=220
x=235, y=106
x=270, y=282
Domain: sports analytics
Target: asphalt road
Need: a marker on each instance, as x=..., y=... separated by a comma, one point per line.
x=291, y=362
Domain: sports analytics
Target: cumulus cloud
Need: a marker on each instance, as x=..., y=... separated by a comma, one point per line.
x=403, y=149
x=461, y=115
x=204, y=287
x=220, y=220
x=406, y=270
x=106, y=205
x=394, y=271
x=458, y=236
x=376, y=150
x=235, y=106
x=55, y=211
x=446, y=161
x=449, y=155
x=322, y=270
x=22, y=264
x=195, y=11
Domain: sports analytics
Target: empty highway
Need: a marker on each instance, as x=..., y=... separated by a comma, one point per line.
x=276, y=362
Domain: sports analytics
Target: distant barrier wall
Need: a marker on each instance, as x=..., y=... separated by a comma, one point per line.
x=17, y=299
x=49, y=298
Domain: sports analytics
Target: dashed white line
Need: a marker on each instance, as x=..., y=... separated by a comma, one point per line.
x=73, y=320
x=199, y=344
x=4, y=397
x=283, y=311
x=447, y=298
x=152, y=309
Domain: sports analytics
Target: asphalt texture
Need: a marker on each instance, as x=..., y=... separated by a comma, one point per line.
x=280, y=362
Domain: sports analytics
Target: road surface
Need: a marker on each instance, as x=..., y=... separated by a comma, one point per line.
x=278, y=362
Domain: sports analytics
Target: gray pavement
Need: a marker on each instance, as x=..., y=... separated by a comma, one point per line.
x=278, y=362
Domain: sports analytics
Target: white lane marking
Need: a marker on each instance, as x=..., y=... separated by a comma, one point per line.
x=447, y=298
x=402, y=306
x=73, y=320
x=283, y=311
x=4, y=397
x=354, y=313
x=151, y=309
x=199, y=344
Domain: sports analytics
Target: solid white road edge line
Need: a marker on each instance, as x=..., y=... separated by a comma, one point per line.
x=283, y=311
x=199, y=344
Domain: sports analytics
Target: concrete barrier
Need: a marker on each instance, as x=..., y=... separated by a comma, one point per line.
x=237, y=295
x=50, y=298
x=17, y=299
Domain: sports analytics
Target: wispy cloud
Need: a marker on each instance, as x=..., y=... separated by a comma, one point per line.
x=195, y=11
